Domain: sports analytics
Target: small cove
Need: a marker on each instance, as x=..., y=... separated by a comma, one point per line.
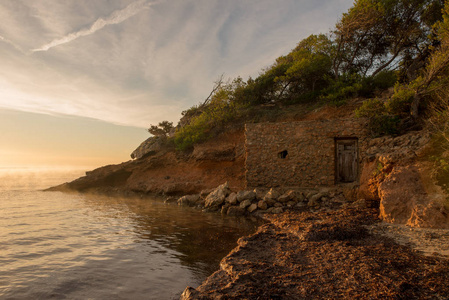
x=77, y=246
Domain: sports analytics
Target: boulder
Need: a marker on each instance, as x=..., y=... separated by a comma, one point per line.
x=272, y=194
x=316, y=197
x=236, y=211
x=302, y=197
x=216, y=198
x=245, y=195
x=189, y=294
x=409, y=196
x=232, y=199
x=288, y=196
x=252, y=208
x=262, y=205
x=269, y=202
x=189, y=200
x=148, y=147
x=259, y=193
x=291, y=203
x=277, y=210
x=245, y=204
x=310, y=194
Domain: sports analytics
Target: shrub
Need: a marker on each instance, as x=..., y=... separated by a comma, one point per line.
x=400, y=101
x=380, y=121
x=340, y=90
x=200, y=128
x=380, y=82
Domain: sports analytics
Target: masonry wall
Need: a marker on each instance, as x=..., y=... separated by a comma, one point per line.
x=311, y=151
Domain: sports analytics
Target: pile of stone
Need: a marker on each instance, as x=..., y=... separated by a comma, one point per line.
x=273, y=201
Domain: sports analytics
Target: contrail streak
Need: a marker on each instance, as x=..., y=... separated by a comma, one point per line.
x=115, y=18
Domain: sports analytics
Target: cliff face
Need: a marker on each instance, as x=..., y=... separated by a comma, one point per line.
x=169, y=173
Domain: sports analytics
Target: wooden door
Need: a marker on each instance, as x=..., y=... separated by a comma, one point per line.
x=346, y=160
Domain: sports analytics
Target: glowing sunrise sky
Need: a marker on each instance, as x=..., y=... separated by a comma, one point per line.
x=80, y=80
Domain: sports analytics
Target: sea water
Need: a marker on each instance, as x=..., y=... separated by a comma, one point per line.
x=56, y=245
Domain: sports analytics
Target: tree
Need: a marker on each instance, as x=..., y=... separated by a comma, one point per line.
x=162, y=129
x=306, y=67
x=374, y=34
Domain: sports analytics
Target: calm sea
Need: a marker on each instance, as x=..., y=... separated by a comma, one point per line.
x=55, y=245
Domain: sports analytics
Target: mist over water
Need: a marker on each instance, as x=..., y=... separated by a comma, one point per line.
x=75, y=246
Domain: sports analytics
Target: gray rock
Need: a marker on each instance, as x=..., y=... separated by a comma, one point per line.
x=291, y=203
x=288, y=196
x=150, y=146
x=310, y=194
x=216, y=198
x=277, y=210
x=272, y=194
x=245, y=204
x=314, y=201
x=302, y=197
x=316, y=197
x=269, y=202
x=252, y=208
x=270, y=210
x=189, y=200
x=245, y=195
x=232, y=199
x=262, y=205
x=189, y=294
x=278, y=204
x=259, y=193
x=300, y=205
x=236, y=211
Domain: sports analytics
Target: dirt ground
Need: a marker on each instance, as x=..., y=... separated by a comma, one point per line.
x=344, y=254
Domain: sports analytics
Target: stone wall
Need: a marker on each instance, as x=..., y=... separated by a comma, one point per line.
x=298, y=154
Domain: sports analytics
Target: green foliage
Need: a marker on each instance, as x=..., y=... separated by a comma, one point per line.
x=439, y=155
x=215, y=115
x=373, y=34
x=384, y=79
x=400, y=101
x=356, y=59
x=341, y=89
x=306, y=69
x=380, y=121
x=195, y=132
x=162, y=129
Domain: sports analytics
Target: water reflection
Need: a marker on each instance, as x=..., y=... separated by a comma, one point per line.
x=199, y=239
x=75, y=246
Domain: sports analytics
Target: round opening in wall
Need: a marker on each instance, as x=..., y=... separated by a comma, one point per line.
x=283, y=154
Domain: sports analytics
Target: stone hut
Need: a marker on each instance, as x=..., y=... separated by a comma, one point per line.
x=305, y=154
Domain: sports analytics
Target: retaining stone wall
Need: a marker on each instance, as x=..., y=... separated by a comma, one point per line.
x=310, y=161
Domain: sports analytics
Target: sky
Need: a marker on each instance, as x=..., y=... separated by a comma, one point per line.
x=81, y=80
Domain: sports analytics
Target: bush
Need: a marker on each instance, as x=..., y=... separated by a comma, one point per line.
x=380, y=82
x=380, y=121
x=342, y=89
x=400, y=101
x=200, y=128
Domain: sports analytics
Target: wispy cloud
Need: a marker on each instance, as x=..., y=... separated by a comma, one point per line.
x=156, y=62
x=115, y=18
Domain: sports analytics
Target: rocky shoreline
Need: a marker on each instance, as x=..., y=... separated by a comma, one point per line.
x=261, y=201
x=324, y=254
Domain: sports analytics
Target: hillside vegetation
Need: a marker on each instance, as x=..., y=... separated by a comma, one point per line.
x=376, y=45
